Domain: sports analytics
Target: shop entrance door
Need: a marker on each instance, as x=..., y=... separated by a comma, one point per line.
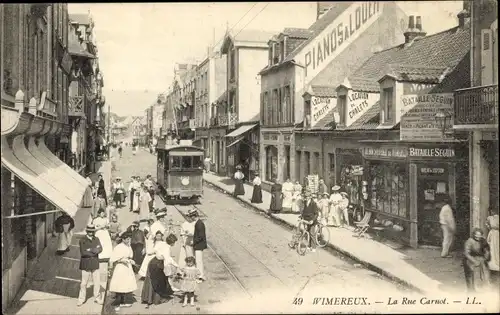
x=432, y=182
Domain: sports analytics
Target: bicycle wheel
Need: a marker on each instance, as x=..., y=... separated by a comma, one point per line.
x=322, y=235
x=295, y=237
x=303, y=243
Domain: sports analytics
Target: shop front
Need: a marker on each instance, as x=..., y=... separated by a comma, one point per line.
x=278, y=156
x=217, y=150
x=242, y=149
x=404, y=185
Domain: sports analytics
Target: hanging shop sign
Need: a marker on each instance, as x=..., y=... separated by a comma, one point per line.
x=369, y=152
x=418, y=116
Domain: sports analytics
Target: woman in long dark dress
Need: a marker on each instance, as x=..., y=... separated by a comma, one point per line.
x=239, y=189
x=101, y=190
x=257, y=190
x=276, y=197
x=137, y=243
x=156, y=288
x=476, y=256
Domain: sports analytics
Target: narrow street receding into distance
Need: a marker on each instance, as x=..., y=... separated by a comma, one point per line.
x=248, y=258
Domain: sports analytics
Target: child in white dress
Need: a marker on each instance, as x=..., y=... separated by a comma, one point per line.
x=190, y=275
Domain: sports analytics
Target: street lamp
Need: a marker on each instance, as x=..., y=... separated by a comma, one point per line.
x=443, y=119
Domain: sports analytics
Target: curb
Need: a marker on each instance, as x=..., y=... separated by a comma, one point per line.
x=363, y=262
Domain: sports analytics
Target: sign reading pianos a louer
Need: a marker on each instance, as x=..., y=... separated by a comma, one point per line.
x=320, y=106
x=418, y=116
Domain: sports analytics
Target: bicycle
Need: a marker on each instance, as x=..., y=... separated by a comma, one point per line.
x=300, y=238
x=321, y=234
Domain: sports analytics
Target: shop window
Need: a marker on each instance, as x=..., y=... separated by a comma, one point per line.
x=271, y=163
x=388, y=188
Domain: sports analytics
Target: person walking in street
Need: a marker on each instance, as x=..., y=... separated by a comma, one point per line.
x=90, y=248
x=101, y=188
x=276, y=197
x=476, y=256
x=335, y=200
x=122, y=281
x=239, y=189
x=150, y=187
x=257, y=190
x=310, y=214
x=447, y=221
x=207, y=163
x=492, y=239
x=288, y=190
x=144, y=202
x=132, y=188
x=101, y=224
x=344, y=209
x=138, y=244
x=119, y=192
x=297, y=198
x=88, y=197
x=64, y=226
x=187, y=234
x=190, y=277
x=199, y=240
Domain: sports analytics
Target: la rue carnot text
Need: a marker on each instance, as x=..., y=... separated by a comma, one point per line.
x=422, y=301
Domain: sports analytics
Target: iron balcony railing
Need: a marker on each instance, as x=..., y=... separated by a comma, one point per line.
x=76, y=106
x=476, y=105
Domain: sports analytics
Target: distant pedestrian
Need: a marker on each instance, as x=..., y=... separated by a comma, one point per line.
x=120, y=151
x=64, y=226
x=132, y=188
x=199, y=240
x=144, y=203
x=335, y=200
x=493, y=242
x=101, y=188
x=99, y=203
x=344, y=209
x=138, y=244
x=324, y=207
x=287, y=195
x=239, y=189
x=90, y=248
x=297, y=198
x=122, y=281
x=276, y=197
x=190, y=276
x=88, y=197
x=207, y=163
x=115, y=228
x=257, y=189
x=476, y=256
x=447, y=221
x=119, y=192
x=148, y=182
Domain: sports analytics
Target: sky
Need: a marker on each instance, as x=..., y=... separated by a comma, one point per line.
x=139, y=43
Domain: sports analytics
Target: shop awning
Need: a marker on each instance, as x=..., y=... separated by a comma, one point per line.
x=45, y=174
x=241, y=130
x=234, y=142
x=74, y=188
x=13, y=164
x=60, y=164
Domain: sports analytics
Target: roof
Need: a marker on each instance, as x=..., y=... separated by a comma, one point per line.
x=417, y=73
x=80, y=18
x=302, y=33
x=429, y=54
x=252, y=38
x=362, y=84
x=321, y=91
x=76, y=49
x=327, y=122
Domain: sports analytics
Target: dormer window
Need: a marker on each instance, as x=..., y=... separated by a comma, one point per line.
x=388, y=105
x=271, y=47
x=282, y=50
x=273, y=53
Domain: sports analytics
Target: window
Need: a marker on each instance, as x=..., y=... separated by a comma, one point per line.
x=287, y=105
x=271, y=163
x=388, y=188
x=282, y=50
x=197, y=162
x=275, y=108
x=342, y=101
x=176, y=162
x=271, y=54
x=307, y=113
x=267, y=111
x=388, y=105
x=232, y=57
x=280, y=106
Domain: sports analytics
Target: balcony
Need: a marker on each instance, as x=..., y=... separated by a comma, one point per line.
x=76, y=106
x=229, y=119
x=476, y=107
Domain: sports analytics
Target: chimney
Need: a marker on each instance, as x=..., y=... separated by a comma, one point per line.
x=464, y=15
x=414, y=29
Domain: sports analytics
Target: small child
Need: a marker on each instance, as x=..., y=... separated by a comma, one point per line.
x=190, y=275
x=324, y=206
x=115, y=227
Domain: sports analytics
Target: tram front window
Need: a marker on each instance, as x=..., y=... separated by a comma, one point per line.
x=186, y=162
x=176, y=162
x=197, y=162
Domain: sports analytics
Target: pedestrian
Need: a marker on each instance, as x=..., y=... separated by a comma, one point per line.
x=239, y=189
x=156, y=288
x=322, y=188
x=476, y=256
x=150, y=187
x=144, y=203
x=160, y=224
x=187, y=234
x=88, y=197
x=297, y=198
x=276, y=197
x=492, y=239
x=101, y=224
x=64, y=226
x=101, y=188
x=171, y=267
x=122, y=281
x=190, y=277
x=138, y=244
x=120, y=151
x=119, y=192
x=448, y=226
x=288, y=190
x=207, y=163
x=257, y=190
x=344, y=209
x=199, y=240
x=90, y=248
x=310, y=214
x=115, y=227
x=324, y=206
x=132, y=188
x=335, y=200
x=99, y=203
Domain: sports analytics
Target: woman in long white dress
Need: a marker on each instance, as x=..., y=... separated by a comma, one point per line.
x=144, y=199
x=287, y=196
x=297, y=198
x=101, y=224
x=122, y=280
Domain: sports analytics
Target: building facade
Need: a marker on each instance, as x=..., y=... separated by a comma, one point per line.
x=476, y=110
x=36, y=184
x=308, y=60
x=246, y=52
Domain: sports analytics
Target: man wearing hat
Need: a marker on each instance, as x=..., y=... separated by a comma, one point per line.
x=199, y=240
x=335, y=199
x=90, y=248
x=310, y=214
x=137, y=243
x=161, y=222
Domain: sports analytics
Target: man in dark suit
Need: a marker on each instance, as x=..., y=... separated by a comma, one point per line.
x=90, y=248
x=199, y=240
x=310, y=213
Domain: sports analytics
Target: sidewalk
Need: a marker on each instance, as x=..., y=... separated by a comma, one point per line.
x=423, y=269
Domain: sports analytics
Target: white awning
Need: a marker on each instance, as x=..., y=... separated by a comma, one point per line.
x=44, y=173
x=31, y=179
x=60, y=164
x=234, y=142
x=63, y=180
x=241, y=130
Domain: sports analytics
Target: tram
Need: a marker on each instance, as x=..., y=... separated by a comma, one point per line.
x=180, y=169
